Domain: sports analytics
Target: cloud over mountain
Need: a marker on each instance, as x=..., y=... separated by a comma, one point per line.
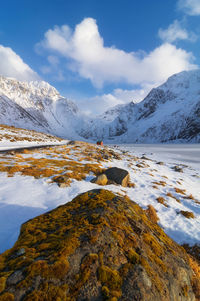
x=13, y=66
x=85, y=53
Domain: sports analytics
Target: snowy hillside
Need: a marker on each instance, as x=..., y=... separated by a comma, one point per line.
x=16, y=138
x=170, y=112
x=36, y=105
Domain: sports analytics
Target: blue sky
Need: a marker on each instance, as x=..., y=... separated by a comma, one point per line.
x=99, y=53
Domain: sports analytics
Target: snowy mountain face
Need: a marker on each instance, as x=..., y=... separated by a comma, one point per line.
x=37, y=105
x=169, y=113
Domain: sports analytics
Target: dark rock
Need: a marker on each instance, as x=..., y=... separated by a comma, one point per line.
x=145, y=158
x=62, y=181
x=113, y=176
x=12, y=153
x=160, y=163
x=99, y=246
x=177, y=169
x=71, y=142
x=118, y=175
x=14, y=278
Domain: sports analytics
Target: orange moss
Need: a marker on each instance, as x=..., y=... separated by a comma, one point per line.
x=172, y=196
x=2, y=284
x=161, y=183
x=49, y=292
x=154, y=277
x=162, y=201
x=189, y=197
x=133, y=256
x=196, y=277
x=151, y=212
x=153, y=243
x=155, y=187
x=109, y=277
x=187, y=214
x=181, y=191
x=7, y=297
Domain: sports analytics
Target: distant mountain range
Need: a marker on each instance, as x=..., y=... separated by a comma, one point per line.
x=169, y=113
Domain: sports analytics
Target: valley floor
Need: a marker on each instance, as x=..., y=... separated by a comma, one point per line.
x=29, y=185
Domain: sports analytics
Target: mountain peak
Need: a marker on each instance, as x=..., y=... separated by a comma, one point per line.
x=15, y=89
x=36, y=105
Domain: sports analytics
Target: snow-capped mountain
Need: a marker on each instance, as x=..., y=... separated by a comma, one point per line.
x=169, y=113
x=37, y=105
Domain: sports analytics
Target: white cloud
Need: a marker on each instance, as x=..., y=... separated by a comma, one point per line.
x=175, y=32
x=53, y=60
x=190, y=7
x=100, y=103
x=135, y=95
x=88, y=56
x=13, y=66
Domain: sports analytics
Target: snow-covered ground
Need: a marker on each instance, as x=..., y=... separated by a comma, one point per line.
x=15, y=138
x=180, y=153
x=24, y=197
x=7, y=145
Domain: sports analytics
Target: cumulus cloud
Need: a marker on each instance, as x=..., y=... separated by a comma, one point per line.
x=13, y=66
x=176, y=32
x=190, y=7
x=86, y=54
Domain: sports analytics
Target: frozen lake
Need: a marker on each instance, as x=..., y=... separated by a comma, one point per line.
x=188, y=154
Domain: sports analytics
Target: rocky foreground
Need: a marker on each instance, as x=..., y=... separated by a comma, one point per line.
x=99, y=246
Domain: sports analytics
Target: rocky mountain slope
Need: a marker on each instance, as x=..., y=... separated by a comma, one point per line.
x=99, y=246
x=37, y=105
x=170, y=112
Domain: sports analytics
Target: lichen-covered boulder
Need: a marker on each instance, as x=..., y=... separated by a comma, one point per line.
x=97, y=247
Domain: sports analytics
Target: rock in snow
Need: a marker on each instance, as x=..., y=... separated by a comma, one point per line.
x=118, y=175
x=113, y=175
x=169, y=113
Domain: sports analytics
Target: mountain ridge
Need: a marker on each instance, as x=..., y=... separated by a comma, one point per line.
x=169, y=113
x=37, y=105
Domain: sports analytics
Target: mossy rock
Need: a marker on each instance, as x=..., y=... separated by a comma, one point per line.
x=100, y=246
